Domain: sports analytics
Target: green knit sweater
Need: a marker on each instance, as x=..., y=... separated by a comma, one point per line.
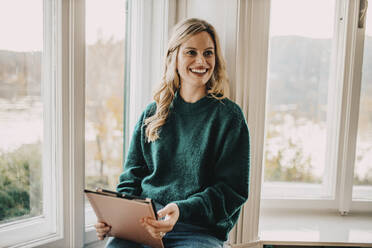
x=200, y=162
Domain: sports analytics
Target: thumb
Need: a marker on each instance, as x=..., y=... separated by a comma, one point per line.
x=167, y=210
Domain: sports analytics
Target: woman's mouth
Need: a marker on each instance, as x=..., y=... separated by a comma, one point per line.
x=199, y=71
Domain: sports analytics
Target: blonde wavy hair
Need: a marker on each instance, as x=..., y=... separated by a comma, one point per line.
x=217, y=86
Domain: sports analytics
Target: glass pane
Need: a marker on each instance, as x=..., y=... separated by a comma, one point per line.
x=299, y=70
x=363, y=161
x=21, y=109
x=105, y=31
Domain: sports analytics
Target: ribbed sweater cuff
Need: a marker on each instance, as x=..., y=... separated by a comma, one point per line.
x=184, y=208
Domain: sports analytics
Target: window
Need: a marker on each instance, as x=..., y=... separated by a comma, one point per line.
x=68, y=143
x=363, y=157
x=50, y=74
x=315, y=76
x=21, y=107
x=104, y=95
x=297, y=99
x=28, y=118
x=123, y=40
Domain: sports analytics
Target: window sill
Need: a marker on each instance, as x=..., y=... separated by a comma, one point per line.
x=91, y=240
x=96, y=244
x=314, y=227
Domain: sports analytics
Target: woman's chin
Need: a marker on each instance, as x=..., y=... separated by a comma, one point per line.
x=198, y=83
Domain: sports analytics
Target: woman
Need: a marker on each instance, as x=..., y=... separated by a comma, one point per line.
x=190, y=149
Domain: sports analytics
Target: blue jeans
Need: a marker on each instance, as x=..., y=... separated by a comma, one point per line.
x=182, y=236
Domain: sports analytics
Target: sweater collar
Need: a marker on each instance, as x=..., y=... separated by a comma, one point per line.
x=191, y=108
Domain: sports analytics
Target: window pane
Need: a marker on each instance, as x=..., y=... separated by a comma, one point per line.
x=21, y=109
x=299, y=62
x=105, y=31
x=363, y=164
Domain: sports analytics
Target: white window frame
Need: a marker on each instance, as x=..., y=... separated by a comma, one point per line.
x=70, y=68
x=343, y=114
x=149, y=24
x=360, y=194
x=250, y=92
x=326, y=190
x=67, y=69
x=146, y=37
x=61, y=224
x=44, y=228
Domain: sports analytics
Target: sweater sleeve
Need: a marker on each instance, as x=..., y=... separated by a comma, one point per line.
x=219, y=204
x=135, y=168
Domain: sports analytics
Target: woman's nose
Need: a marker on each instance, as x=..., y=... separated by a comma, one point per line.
x=200, y=59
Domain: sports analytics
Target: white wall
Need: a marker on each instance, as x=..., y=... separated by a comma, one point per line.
x=223, y=15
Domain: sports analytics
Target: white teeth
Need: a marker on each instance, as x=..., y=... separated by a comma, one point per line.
x=199, y=70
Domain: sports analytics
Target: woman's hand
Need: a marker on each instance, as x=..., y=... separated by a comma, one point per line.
x=158, y=228
x=102, y=230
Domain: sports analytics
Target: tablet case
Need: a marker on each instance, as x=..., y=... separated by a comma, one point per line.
x=123, y=213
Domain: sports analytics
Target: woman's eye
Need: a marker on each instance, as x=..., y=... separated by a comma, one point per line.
x=191, y=52
x=208, y=53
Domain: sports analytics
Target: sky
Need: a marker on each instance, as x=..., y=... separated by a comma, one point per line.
x=309, y=18
x=21, y=28
x=105, y=18
x=21, y=25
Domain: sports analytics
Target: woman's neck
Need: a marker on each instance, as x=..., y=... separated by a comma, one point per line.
x=192, y=94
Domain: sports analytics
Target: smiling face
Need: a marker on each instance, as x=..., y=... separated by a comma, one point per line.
x=196, y=60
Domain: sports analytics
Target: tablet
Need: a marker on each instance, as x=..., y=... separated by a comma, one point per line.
x=123, y=212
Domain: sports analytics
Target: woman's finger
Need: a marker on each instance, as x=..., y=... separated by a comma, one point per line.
x=170, y=209
x=100, y=237
x=103, y=230
x=100, y=225
x=157, y=230
x=152, y=231
x=169, y=221
x=161, y=224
